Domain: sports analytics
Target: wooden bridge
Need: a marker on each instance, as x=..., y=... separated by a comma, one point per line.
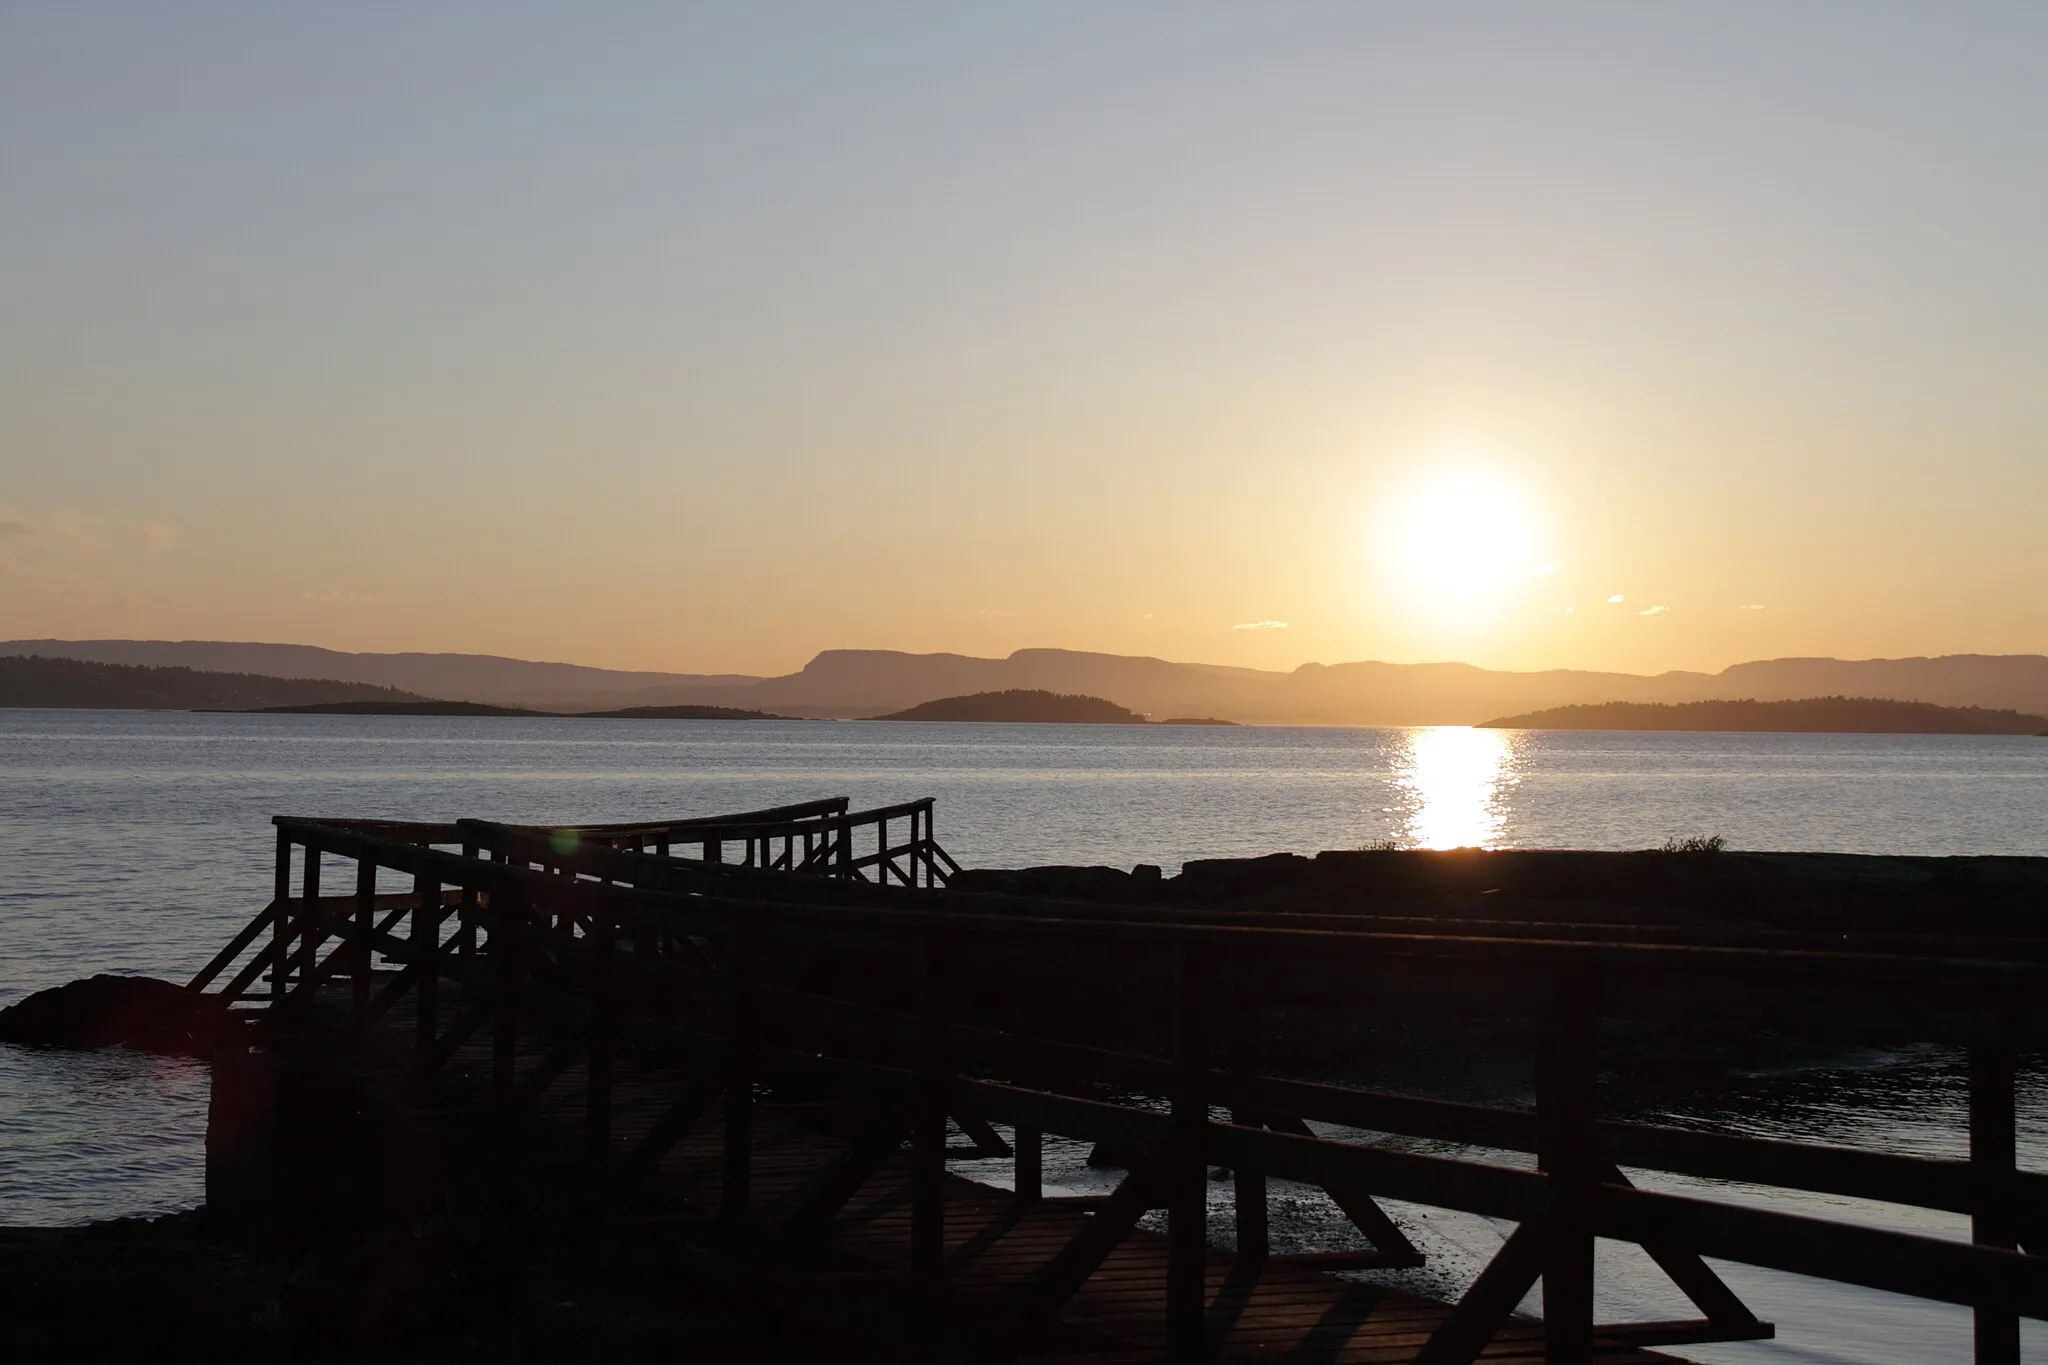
x=770, y=1032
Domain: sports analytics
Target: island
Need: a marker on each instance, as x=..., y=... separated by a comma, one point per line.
x=35, y=680
x=477, y=708
x=1018, y=704
x=1810, y=715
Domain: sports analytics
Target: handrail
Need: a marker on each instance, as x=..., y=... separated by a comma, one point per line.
x=675, y=930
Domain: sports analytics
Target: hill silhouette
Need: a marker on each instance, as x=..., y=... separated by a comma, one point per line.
x=1813, y=715
x=868, y=682
x=1022, y=705
x=32, y=680
x=477, y=708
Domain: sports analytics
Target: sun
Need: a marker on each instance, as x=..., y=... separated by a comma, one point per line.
x=1461, y=545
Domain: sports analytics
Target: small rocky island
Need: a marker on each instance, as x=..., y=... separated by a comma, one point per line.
x=1023, y=705
x=1811, y=715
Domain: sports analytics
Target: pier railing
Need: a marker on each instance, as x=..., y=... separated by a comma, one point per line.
x=929, y=1010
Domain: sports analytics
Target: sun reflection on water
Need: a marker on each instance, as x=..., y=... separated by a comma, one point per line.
x=1455, y=781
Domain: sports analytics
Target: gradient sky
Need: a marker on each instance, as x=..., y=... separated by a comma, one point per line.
x=705, y=337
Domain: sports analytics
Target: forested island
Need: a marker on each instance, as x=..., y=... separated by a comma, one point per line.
x=73, y=684
x=1032, y=706
x=1020, y=704
x=37, y=680
x=1810, y=715
x=477, y=708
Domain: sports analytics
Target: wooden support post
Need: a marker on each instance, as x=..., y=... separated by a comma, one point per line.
x=928, y=1133
x=1993, y=1151
x=507, y=907
x=426, y=955
x=466, y=935
x=281, y=926
x=1569, y=1154
x=1248, y=1181
x=739, y=1072
x=309, y=924
x=360, y=955
x=597, y=1099
x=1187, y=1175
x=714, y=851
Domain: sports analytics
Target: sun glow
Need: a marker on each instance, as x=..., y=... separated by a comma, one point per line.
x=1461, y=546
x=1455, y=782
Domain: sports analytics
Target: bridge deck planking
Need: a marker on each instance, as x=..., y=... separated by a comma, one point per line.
x=994, y=1246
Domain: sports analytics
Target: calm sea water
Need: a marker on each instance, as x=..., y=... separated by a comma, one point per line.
x=134, y=841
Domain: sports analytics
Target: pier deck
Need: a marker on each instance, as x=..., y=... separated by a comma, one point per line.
x=1256, y=1308
x=771, y=1063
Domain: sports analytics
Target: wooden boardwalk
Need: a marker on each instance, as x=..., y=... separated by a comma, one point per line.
x=770, y=1065
x=996, y=1245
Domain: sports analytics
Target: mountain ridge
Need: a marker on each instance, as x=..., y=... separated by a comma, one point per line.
x=862, y=682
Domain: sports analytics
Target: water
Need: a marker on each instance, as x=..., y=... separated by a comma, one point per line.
x=140, y=842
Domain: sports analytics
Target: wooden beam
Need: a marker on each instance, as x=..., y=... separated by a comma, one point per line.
x=1187, y=1176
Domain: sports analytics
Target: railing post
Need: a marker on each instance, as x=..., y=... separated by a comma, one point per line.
x=360, y=957
x=1993, y=1153
x=507, y=907
x=1247, y=1180
x=465, y=941
x=281, y=925
x=845, y=828
x=426, y=958
x=1187, y=1198
x=309, y=923
x=739, y=1073
x=597, y=1107
x=1569, y=1155
x=928, y=1137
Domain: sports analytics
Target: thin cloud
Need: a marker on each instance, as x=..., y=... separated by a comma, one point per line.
x=1614, y=599
x=1652, y=611
x=1260, y=625
x=1751, y=606
x=13, y=528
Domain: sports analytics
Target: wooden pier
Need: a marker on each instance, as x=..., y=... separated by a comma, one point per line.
x=768, y=1034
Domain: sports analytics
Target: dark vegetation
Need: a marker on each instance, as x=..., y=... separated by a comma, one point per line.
x=34, y=680
x=74, y=684
x=398, y=708
x=1812, y=715
x=1022, y=704
x=477, y=708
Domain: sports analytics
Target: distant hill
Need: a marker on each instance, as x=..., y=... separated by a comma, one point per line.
x=683, y=713
x=1022, y=704
x=1858, y=715
x=467, y=677
x=71, y=683
x=397, y=708
x=477, y=708
x=867, y=682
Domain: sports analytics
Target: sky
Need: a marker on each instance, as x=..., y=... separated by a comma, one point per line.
x=704, y=337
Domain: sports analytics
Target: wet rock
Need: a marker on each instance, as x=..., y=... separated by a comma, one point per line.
x=119, y=1011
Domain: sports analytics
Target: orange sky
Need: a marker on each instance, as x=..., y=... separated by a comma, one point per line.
x=723, y=338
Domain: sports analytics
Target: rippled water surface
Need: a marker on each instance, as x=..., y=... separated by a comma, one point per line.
x=140, y=842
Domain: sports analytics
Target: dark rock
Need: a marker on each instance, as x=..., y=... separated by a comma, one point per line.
x=1111, y=885
x=119, y=1011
